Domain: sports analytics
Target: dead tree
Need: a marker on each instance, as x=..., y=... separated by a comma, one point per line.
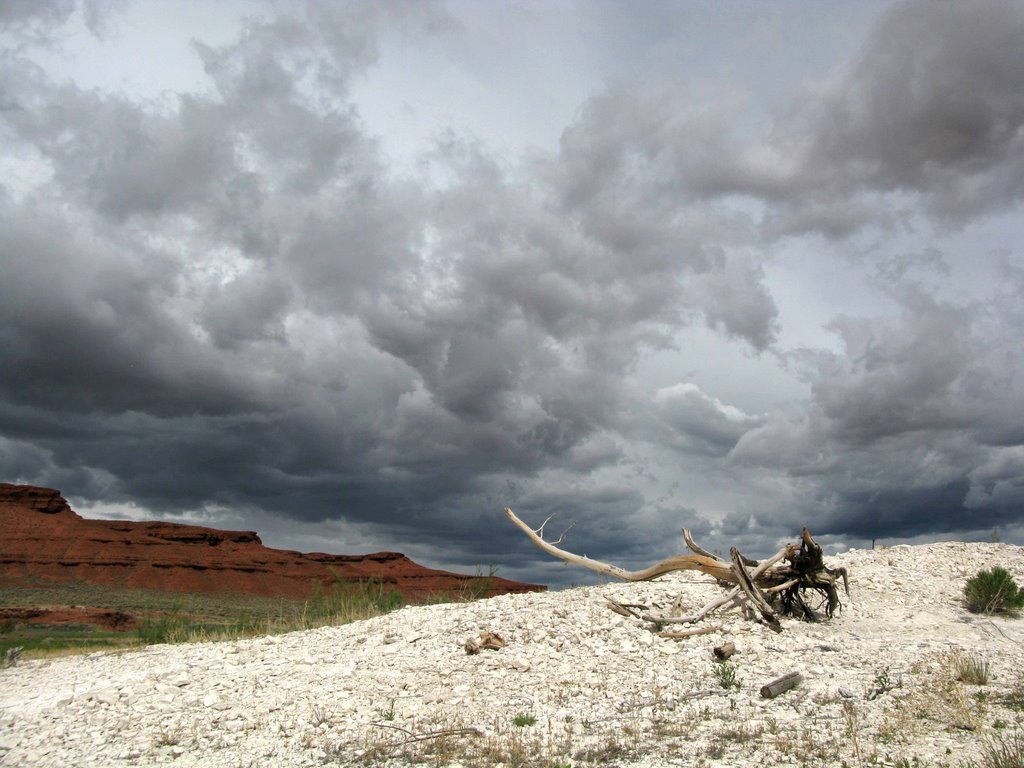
x=769, y=589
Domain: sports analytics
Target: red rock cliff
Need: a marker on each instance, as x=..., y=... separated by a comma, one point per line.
x=43, y=539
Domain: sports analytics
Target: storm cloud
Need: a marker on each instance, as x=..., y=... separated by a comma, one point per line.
x=233, y=301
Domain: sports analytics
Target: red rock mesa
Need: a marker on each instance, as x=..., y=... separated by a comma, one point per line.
x=43, y=540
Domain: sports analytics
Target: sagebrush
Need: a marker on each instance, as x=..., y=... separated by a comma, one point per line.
x=993, y=591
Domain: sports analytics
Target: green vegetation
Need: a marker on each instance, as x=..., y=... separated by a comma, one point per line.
x=478, y=587
x=523, y=720
x=1004, y=752
x=993, y=591
x=725, y=673
x=1014, y=698
x=163, y=617
x=342, y=603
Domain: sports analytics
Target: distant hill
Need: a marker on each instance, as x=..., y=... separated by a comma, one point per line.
x=42, y=540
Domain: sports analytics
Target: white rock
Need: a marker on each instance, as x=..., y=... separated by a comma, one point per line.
x=570, y=663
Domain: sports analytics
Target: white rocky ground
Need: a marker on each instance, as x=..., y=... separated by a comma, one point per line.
x=602, y=689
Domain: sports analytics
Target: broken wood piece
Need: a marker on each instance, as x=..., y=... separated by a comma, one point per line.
x=689, y=632
x=781, y=685
x=781, y=587
x=757, y=599
x=488, y=641
x=724, y=651
x=624, y=609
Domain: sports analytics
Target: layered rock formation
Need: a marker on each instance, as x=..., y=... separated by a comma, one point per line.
x=43, y=540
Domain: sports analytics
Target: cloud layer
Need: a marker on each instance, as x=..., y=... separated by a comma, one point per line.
x=231, y=302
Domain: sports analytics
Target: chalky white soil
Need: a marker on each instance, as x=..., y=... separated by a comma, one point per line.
x=603, y=689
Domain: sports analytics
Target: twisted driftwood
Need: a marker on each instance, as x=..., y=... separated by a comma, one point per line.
x=768, y=588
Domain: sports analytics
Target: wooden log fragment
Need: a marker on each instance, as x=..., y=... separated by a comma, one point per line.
x=624, y=609
x=753, y=593
x=781, y=684
x=680, y=634
x=724, y=651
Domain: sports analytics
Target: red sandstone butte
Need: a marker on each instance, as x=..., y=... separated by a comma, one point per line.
x=43, y=540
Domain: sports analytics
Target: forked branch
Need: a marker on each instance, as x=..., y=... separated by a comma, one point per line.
x=768, y=588
x=710, y=565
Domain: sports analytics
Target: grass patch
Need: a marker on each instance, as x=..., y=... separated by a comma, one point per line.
x=935, y=697
x=972, y=669
x=1003, y=752
x=10, y=657
x=345, y=602
x=1014, y=698
x=163, y=617
x=46, y=640
x=172, y=617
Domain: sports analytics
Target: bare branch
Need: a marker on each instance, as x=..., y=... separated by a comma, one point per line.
x=414, y=737
x=786, y=552
x=540, y=531
x=711, y=566
x=561, y=536
x=692, y=546
x=689, y=632
x=782, y=587
x=715, y=604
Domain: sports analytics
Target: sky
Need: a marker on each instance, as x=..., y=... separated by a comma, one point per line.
x=359, y=275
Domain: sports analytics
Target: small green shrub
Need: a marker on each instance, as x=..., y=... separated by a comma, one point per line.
x=725, y=673
x=909, y=762
x=386, y=714
x=993, y=591
x=523, y=720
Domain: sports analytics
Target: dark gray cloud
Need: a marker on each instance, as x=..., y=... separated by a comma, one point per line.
x=933, y=106
x=930, y=108
x=915, y=425
x=229, y=302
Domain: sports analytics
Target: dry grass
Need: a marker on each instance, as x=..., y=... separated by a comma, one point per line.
x=971, y=668
x=1003, y=752
x=935, y=699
